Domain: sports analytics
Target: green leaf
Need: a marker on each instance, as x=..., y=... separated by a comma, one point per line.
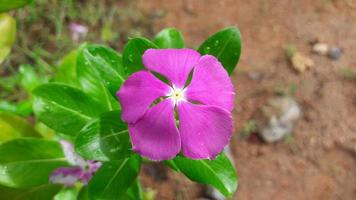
x=41, y=192
x=114, y=178
x=83, y=193
x=29, y=162
x=169, y=38
x=219, y=173
x=224, y=45
x=63, y=108
x=100, y=73
x=24, y=108
x=67, y=70
x=7, y=34
x=133, y=51
x=28, y=78
x=6, y=5
x=7, y=107
x=4, y=52
x=67, y=194
x=134, y=192
x=13, y=126
x=105, y=138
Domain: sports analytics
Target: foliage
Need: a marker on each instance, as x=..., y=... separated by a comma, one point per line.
x=6, y=5
x=80, y=104
x=8, y=32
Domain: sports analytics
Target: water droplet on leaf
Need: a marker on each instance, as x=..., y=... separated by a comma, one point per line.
x=131, y=58
x=207, y=49
x=216, y=43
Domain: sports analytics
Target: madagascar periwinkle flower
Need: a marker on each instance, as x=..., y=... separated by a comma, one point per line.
x=80, y=171
x=189, y=113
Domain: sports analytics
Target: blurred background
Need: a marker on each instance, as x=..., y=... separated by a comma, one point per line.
x=295, y=109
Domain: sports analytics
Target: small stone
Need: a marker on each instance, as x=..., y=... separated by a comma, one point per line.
x=276, y=119
x=301, y=63
x=321, y=48
x=256, y=76
x=213, y=194
x=334, y=53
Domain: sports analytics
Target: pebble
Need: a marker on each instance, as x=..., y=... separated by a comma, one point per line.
x=321, y=48
x=334, y=53
x=256, y=76
x=276, y=119
x=213, y=194
x=301, y=63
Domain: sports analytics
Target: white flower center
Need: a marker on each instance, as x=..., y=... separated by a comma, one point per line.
x=177, y=94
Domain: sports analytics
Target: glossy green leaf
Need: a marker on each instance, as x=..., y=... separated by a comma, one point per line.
x=67, y=70
x=100, y=73
x=12, y=126
x=6, y=5
x=169, y=38
x=7, y=107
x=134, y=192
x=28, y=78
x=114, y=178
x=133, y=51
x=70, y=193
x=219, y=173
x=83, y=193
x=105, y=138
x=224, y=45
x=29, y=162
x=63, y=108
x=41, y=192
x=7, y=34
x=45, y=131
x=22, y=108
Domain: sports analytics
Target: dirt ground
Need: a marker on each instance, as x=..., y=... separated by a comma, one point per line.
x=319, y=162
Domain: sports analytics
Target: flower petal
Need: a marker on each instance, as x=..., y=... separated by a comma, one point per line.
x=174, y=64
x=204, y=130
x=155, y=135
x=138, y=92
x=72, y=157
x=67, y=176
x=211, y=84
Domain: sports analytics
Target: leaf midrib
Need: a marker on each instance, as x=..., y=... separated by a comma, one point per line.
x=225, y=45
x=109, y=68
x=114, y=176
x=31, y=191
x=87, y=117
x=114, y=134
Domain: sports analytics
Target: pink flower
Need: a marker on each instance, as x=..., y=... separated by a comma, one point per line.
x=203, y=106
x=80, y=170
x=77, y=31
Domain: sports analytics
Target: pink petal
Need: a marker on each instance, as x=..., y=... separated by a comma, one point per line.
x=211, y=84
x=204, y=130
x=138, y=92
x=174, y=64
x=155, y=135
x=66, y=175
